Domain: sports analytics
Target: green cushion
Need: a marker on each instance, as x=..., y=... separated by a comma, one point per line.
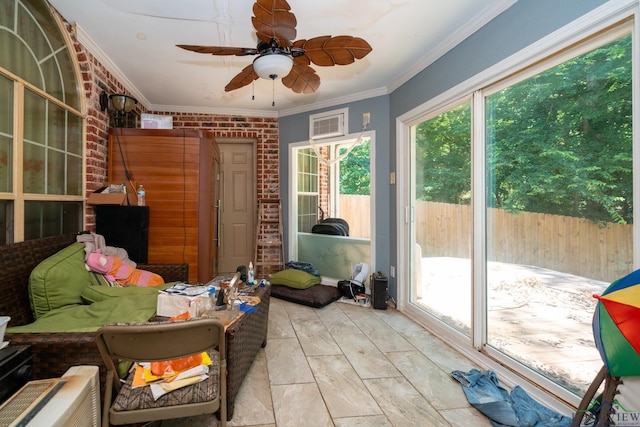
x=293, y=278
x=93, y=293
x=58, y=280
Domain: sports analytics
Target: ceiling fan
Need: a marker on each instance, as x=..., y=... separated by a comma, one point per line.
x=280, y=57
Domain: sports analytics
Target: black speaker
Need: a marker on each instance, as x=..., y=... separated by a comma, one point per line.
x=379, y=290
x=125, y=227
x=15, y=369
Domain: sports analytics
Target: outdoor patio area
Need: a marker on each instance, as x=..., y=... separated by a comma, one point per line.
x=540, y=317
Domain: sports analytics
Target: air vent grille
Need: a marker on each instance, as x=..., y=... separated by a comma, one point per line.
x=327, y=125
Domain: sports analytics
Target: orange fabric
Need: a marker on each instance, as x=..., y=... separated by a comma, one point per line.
x=170, y=367
x=181, y=316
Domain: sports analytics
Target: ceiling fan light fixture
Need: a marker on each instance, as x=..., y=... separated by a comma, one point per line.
x=272, y=66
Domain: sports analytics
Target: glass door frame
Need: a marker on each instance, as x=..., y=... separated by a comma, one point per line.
x=475, y=347
x=292, y=240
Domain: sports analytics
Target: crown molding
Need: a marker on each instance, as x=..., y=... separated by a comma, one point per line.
x=335, y=101
x=474, y=24
x=95, y=50
x=212, y=110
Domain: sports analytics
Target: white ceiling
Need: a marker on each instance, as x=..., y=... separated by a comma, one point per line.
x=135, y=40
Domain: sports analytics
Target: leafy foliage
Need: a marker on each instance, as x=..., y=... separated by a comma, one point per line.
x=355, y=174
x=559, y=142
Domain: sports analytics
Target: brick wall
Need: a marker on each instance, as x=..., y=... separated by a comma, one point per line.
x=96, y=79
x=265, y=131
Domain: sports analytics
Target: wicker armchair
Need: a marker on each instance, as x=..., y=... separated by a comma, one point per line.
x=53, y=353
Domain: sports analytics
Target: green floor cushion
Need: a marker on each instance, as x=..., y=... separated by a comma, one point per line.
x=59, y=280
x=293, y=278
x=89, y=318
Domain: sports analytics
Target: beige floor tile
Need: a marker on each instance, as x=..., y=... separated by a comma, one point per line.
x=253, y=403
x=466, y=417
x=300, y=312
x=397, y=321
x=366, y=359
x=403, y=405
x=369, y=421
x=337, y=322
x=343, y=391
x=355, y=311
x=381, y=370
x=314, y=338
x=299, y=405
x=438, y=387
x=279, y=323
x=286, y=362
x=438, y=352
x=383, y=335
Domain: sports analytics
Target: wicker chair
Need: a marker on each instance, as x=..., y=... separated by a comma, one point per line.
x=53, y=353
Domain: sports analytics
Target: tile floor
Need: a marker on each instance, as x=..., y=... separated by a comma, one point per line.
x=348, y=366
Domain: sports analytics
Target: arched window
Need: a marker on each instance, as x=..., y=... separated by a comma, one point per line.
x=41, y=125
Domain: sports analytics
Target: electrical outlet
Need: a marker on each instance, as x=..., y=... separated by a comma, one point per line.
x=392, y=178
x=392, y=271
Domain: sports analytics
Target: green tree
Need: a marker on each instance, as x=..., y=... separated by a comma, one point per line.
x=355, y=174
x=559, y=142
x=443, y=157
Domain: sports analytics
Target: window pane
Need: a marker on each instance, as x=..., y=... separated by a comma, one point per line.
x=35, y=117
x=49, y=132
x=55, y=172
x=6, y=221
x=37, y=54
x=6, y=134
x=44, y=219
x=307, y=212
x=74, y=175
x=441, y=234
x=559, y=223
x=74, y=134
x=56, y=127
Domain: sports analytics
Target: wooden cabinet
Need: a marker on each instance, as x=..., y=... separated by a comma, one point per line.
x=179, y=170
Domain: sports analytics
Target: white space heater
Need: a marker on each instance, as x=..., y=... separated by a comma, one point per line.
x=72, y=400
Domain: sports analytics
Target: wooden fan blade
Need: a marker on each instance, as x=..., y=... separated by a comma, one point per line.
x=302, y=79
x=219, y=50
x=339, y=50
x=273, y=20
x=243, y=78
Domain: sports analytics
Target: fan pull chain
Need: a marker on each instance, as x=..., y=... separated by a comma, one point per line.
x=253, y=90
x=273, y=92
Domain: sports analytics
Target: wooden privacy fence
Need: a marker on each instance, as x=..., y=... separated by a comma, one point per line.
x=356, y=211
x=571, y=245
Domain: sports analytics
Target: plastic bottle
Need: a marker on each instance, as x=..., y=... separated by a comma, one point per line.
x=141, y=196
x=250, y=274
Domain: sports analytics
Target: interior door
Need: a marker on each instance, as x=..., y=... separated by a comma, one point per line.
x=238, y=206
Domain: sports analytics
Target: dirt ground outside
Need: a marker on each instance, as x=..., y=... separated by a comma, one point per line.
x=540, y=317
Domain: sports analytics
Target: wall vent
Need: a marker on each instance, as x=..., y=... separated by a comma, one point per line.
x=327, y=125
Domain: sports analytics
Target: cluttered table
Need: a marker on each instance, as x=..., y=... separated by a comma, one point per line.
x=245, y=324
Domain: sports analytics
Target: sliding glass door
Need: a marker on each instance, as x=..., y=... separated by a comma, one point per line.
x=520, y=208
x=441, y=203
